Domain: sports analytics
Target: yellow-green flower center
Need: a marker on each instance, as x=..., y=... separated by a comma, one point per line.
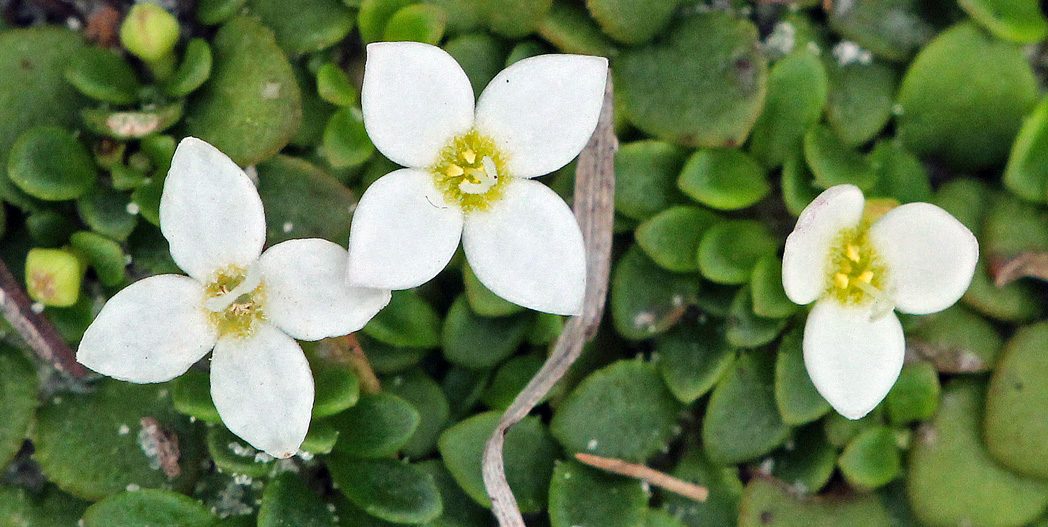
x=234, y=301
x=857, y=274
x=471, y=171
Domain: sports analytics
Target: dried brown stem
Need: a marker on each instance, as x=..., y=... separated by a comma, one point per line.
x=643, y=473
x=165, y=443
x=595, y=210
x=36, y=330
x=369, y=383
x=1029, y=264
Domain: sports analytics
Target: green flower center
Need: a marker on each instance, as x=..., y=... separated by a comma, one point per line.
x=856, y=273
x=234, y=301
x=471, y=171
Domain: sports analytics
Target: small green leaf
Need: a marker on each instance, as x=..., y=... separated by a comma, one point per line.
x=517, y=18
x=892, y=29
x=571, y=30
x=723, y=179
x=901, y=176
x=769, y=298
x=53, y=276
x=798, y=184
x=321, y=437
x=304, y=26
x=915, y=395
x=834, y=163
x=741, y=420
x=480, y=342
x=510, y=379
x=480, y=55
x=334, y=87
x=871, y=460
x=416, y=23
x=149, y=32
x=645, y=299
x=1016, y=20
x=966, y=113
x=806, y=462
x=482, y=301
x=1015, y=404
x=103, y=75
x=646, y=178
x=235, y=456
x=385, y=358
x=251, y=106
x=192, y=396
x=303, y=201
x=194, y=70
x=861, y=99
x=768, y=504
x=104, y=255
x=212, y=12
x=49, y=508
x=722, y=505
x=956, y=341
x=377, y=426
x=943, y=490
x=49, y=163
x=374, y=15
x=729, y=250
x=1027, y=172
x=408, y=321
x=107, y=212
x=529, y=453
x=431, y=404
x=17, y=402
x=132, y=124
x=632, y=22
x=580, y=495
x=388, y=489
x=795, y=395
x=337, y=387
x=622, y=411
x=149, y=508
x=798, y=89
x=692, y=359
x=746, y=329
x=702, y=85
x=287, y=501
x=346, y=143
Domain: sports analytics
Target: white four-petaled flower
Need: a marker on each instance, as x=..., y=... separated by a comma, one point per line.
x=470, y=169
x=247, y=305
x=916, y=259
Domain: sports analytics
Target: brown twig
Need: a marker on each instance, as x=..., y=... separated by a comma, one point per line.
x=1028, y=264
x=595, y=210
x=369, y=383
x=162, y=442
x=643, y=473
x=36, y=330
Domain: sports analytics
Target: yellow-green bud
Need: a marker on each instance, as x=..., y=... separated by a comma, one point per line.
x=149, y=32
x=53, y=276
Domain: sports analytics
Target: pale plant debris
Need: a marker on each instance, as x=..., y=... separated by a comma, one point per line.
x=1023, y=265
x=647, y=475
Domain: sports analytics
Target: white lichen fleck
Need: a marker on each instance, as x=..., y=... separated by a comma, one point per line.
x=847, y=52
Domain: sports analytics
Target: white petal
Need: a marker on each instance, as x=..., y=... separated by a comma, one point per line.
x=151, y=331
x=403, y=233
x=807, y=247
x=306, y=291
x=415, y=99
x=852, y=360
x=263, y=390
x=210, y=211
x=528, y=249
x=931, y=256
x=542, y=110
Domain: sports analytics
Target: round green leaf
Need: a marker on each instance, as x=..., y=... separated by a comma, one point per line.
x=571, y=30
x=211, y=12
x=965, y=112
x=191, y=395
x=480, y=342
x=287, y=501
x=798, y=89
x=377, y=426
x=729, y=250
x=768, y=504
x=387, y=489
x=795, y=395
x=529, y=453
x=517, y=18
x=70, y=430
x=721, y=506
x=834, y=163
x=429, y=401
x=107, y=212
x=49, y=163
x=901, y=176
x=482, y=301
x=103, y=75
x=892, y=29
x=49, y=508
x=408, y=321
x=18, y=386
x=861, y=99
x=105, y=256
x=645, y=299
x=632, y=22
x=746, y=329
x=374, y=15
x=946, y=492
x=806, y=462
x=956, y=341
x=742, y=421
x=149, y=508
x=417, y=23
x=622, y=411
x=692, y=359
x=872, y=459
x=334, y=87
x=769, y=297
x=459, y=509
x=303, y=201
x=305, y=25
x=1015, y=20
x=233, y=455
x=1015, y=411
x=702, y=85
x=723, y=179
x=346, y=143
x=251, y=106
x=510, y=379
x=1027, y=172
x=337, y=387
x=480, y=55
x=580, y=495
x=915, y=395
x=646, y=178
x=194, y=70
x=798, y=184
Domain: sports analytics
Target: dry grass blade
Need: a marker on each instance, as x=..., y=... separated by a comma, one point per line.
x=1034, y=265
x=643, y=473
x=36, y=330
x=595, y=210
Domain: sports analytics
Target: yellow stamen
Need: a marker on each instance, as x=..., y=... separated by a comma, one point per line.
x=454, y=171
x=841, y=280
x=866, y=277
x=853, y=253
x=470, y=156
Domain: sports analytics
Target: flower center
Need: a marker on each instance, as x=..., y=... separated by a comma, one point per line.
x=470, y=171
x=856, y=273
x=234, y=301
